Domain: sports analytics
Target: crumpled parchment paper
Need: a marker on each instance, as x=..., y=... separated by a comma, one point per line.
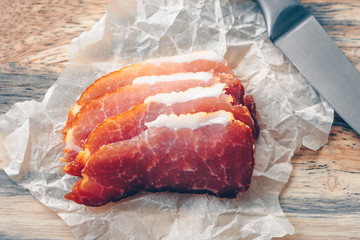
x=290, y=114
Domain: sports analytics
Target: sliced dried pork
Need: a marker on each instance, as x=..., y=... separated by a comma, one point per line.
x=131, y=123
x=201, y=61
x=120, y=100
x=193, y=153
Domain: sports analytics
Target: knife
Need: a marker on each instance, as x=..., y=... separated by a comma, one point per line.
x=293, y=29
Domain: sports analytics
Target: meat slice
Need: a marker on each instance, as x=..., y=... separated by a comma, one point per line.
x=211, y=153
x=120, y=100
x=194, y=62
x=131, y=123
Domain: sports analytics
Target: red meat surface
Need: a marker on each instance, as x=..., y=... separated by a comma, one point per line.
x=200, y=141
x=126, y=75
x=120, y=100
x=214, y=159
x=131, y=123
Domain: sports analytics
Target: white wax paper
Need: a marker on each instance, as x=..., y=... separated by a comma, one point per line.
x=290, y=114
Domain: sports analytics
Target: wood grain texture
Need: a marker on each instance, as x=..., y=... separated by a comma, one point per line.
x=322, y=198
x=18, y=84
x=24, y=217
x=37, y=32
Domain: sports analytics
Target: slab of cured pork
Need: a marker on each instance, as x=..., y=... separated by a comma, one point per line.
x=180, y=124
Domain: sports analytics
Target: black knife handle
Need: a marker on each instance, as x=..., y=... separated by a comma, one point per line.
x=282, y=15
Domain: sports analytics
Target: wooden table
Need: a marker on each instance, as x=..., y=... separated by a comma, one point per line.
x=322, y=198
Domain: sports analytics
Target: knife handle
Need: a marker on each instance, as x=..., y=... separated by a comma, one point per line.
x=282, y=15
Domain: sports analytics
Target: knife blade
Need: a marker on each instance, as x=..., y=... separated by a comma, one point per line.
x=301, y=38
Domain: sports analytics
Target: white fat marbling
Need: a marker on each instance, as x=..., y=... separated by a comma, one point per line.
x=75, y=109
x=193, y=121
x=203, y=76
x=190, y=94
x=69, y=140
